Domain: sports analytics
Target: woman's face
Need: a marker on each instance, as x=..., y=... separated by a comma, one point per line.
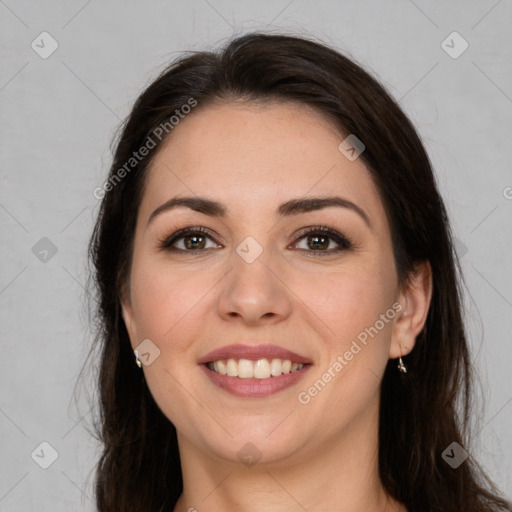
x=256, y=288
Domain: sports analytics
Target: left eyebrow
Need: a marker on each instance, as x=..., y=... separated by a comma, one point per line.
x=289, y=208
x=304, y=205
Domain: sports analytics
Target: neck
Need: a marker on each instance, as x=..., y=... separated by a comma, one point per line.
x=340, y=474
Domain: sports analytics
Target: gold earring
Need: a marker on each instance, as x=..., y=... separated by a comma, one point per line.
x=401, y=365
x=137, y=360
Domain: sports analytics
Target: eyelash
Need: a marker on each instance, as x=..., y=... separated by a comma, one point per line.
x=343, y=241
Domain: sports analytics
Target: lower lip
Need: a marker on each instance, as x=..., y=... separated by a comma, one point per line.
x=254, y=388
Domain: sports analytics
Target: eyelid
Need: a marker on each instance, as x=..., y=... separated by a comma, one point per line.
x=166, y=241
x=344, y=242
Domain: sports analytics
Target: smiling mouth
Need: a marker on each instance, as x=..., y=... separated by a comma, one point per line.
x=258, y=369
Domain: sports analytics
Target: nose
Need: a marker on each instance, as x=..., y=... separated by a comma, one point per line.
x=254, y=293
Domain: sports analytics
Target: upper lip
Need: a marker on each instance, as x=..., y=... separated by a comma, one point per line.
x=253, y=352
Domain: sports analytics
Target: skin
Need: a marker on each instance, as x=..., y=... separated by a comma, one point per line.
x=319, y=456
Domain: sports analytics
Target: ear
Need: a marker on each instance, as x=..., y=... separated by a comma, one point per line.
x=414, y=298
x=127, y=313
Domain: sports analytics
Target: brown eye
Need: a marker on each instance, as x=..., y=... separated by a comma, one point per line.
x=194, y=241
x=188, y=240
x=318, y=241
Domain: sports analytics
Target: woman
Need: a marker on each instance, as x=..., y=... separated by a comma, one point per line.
x=279, y=305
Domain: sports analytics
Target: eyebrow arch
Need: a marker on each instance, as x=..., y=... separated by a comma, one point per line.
x=289, y=208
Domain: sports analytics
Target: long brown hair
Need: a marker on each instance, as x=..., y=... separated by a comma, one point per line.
x=422, y=412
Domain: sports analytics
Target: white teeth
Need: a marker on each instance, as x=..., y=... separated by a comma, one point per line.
x=245, y=369
x=276, y=367
x=260, y=369
x=231, y=368
x=221, y=365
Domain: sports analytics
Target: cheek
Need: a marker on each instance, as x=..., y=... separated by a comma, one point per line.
x=355, y=351
x=169, y=304
x=348, y=301
x=170, y=308
x=356, y=348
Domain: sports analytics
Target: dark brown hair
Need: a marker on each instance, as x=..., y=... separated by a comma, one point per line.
x=422, y=412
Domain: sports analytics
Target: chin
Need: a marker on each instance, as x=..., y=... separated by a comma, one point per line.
x=250, y=450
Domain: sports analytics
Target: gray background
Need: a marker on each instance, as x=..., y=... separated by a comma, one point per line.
x=58, y=116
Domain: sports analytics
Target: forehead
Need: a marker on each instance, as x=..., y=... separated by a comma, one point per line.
x=253, y=157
